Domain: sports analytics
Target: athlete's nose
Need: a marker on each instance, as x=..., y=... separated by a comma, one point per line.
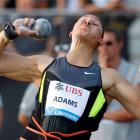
x=87, y=22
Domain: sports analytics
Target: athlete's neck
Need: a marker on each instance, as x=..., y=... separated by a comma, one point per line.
x=80, y=54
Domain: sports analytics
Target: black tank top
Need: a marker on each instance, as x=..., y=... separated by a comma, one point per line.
x=88, y=78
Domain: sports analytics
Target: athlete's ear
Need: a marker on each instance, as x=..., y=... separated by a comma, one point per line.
x=70, y=34
x=100, y=41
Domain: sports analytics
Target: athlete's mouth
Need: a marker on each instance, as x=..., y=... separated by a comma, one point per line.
x=84, y=26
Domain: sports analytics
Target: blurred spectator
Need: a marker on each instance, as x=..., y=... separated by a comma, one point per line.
x=1, y=112
x=29, y=4
x=97, y=6
x=25, y=4
x=27, y=104
x=71, y=5
x=10, y=3
x=7, y=4
x=118, y=123
x=3, y=3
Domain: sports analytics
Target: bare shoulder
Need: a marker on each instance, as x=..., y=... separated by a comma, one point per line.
x=113, y=81
x=109, y=77
x=42, y=61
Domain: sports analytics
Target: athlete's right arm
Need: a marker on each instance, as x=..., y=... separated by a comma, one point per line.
x=18, y=67
x=22, y=68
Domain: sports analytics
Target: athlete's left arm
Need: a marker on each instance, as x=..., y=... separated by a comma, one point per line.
x=119, y=88
x=122, y=114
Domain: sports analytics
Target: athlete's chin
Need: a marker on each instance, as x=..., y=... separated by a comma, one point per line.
x=83, y=31
x=84, y=35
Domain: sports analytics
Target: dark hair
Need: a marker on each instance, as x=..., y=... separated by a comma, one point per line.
x=101, y=20
x=117, y=34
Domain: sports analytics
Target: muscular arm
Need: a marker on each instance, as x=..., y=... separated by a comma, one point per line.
x=18, y=67
x=121, y=114
x=22, y=68
x=120, y=89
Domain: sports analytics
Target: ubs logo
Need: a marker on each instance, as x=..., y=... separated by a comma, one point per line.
x=68, y=89
x=59, y=86
x=74, y=90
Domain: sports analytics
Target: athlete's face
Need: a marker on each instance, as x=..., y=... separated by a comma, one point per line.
x=88, y=28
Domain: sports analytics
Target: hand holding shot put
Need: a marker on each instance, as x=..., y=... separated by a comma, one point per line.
x=39, y=29
x=23, y=27
x=84, y=87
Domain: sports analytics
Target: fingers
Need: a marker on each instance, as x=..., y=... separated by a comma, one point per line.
x=29, y=22
x=26, y=21
x=24, y=31
x=32, y=22
x=18, y=22
x=23, y=27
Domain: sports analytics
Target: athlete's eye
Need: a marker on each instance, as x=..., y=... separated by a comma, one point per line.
x=82, y=20
x=93, y=23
